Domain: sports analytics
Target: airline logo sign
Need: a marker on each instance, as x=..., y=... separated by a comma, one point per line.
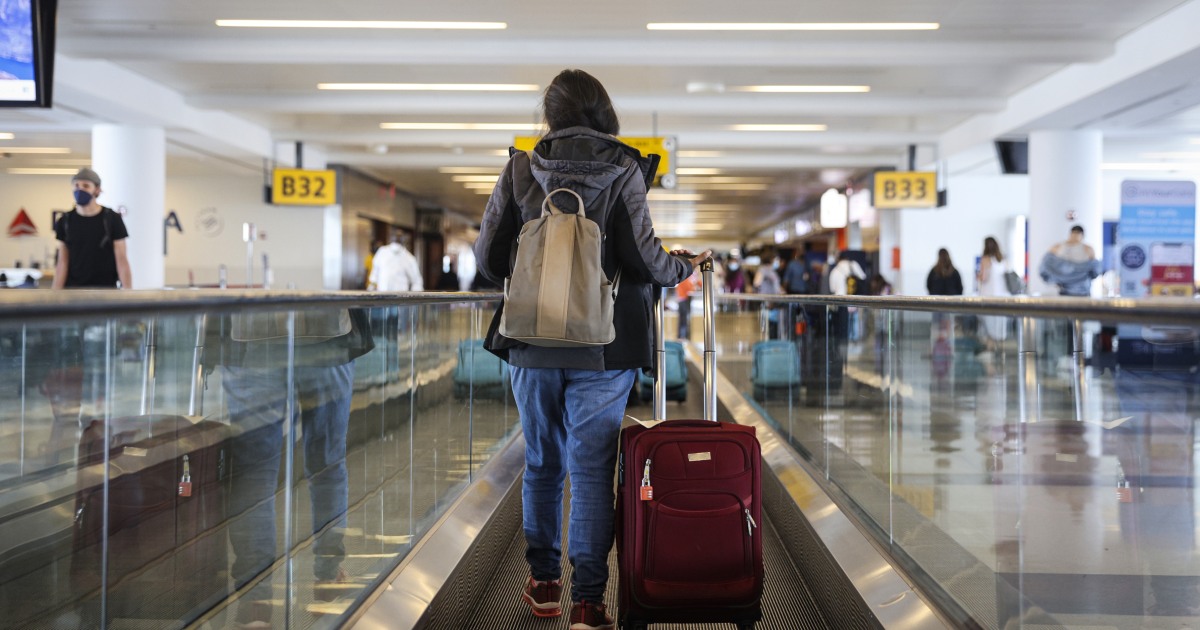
x=298, y=187
x=905, y=189
x=21, y=225
x=662, y=146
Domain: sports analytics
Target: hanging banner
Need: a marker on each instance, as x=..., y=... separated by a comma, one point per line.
x=1156, y=243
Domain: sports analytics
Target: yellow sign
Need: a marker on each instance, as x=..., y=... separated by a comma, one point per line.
x=900, y=189
x=663, y=146
x=298, y=187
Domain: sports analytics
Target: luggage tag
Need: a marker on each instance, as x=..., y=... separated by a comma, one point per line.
x=647, y=492
x=1124, y=492
x=185, y=482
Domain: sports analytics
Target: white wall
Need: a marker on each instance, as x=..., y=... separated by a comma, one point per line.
x=979, y=206
x=211, y=210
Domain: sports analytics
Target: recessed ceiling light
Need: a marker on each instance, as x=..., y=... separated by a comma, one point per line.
x=462, y=126
x=6, y=136
x=42, y=171
x=700, y=154
x=373, y=24
x=470, y=170
x=430, y=87
x=475, y=178
x=37, y=150
x=803, y=89
x=698, y=171
x=778, y=127
x=793, y=26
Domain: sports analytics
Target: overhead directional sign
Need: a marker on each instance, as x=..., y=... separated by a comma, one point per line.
x=663, y=146
x=298, y=187
x=905, y=189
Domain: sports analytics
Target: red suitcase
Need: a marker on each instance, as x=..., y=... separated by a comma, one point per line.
x=689, y=500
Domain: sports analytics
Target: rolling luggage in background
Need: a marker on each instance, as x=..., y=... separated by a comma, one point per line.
x=163, y=540
x=775, y=366
x=490, y=373
x=677, y=374
x=689, y=500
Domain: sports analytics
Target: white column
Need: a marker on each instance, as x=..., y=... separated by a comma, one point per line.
x=1064, y=190
x=131, y=162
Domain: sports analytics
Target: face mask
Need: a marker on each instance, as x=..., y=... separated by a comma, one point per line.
x=83, y=197
x=775, y=265
x=733, y=266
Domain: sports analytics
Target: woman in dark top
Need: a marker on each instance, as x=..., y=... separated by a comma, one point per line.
x=943, y=278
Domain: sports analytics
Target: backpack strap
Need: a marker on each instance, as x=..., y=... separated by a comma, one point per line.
x=548, y=207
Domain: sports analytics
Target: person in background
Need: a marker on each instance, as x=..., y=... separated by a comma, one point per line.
x=842, y=271
x=91, y=241
x=735, y=277
x=370, y=263
x=683, y=294
x=880, y=285
x=571, y=401
x=944, y=279
x=1071, y=265
x=992, y=284
x=795, y=277
x=395, y=269
x=766, y=281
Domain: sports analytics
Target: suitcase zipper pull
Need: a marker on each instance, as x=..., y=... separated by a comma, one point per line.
x=750, y=524
x=185, y=483
x=647, y=489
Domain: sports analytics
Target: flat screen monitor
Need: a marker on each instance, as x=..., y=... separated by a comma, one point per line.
x=1014, y=156
x=27, y=52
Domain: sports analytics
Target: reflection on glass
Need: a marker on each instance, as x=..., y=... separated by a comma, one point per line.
x=230, y=469
x=1037, y=472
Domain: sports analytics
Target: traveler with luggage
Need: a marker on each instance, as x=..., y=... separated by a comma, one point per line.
x=581, y=195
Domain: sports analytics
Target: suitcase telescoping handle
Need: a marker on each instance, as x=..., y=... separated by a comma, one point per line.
x=710, y=340
x=660, y=356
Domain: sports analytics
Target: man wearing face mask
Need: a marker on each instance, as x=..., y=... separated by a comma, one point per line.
x=91, y=241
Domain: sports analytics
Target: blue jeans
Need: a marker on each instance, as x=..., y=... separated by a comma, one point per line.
x=571, y=420
x=257, y=401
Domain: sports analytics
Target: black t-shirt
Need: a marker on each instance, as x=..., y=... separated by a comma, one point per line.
x=90, y=259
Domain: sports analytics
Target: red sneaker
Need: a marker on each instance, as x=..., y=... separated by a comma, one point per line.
x=587, y=615
x=543, y=597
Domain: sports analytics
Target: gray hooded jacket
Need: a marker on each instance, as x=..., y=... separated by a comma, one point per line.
x=610, y=177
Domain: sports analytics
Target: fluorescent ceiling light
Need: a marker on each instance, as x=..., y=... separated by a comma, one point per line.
x=700, y=154
x=479, y=185
x=498, y=153
x=724, y=180
x=698, y=171
x=475, y=178
x=803, y=89
x=704, y=227
x=373, y=24
x=1151, y=166
x=719, y=186
x=482, y=191
x=63, y=161
x=1172, y=155
x=463, y=126
x=793, y=26
x=431, y=87
x=36, y=150
x=778, y=127
x=42, y=171
x=470, y=170
x=6, y=136
x=657, y=196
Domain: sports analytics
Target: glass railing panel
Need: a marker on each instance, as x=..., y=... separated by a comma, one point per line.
x=1024, y=471
x=482, y=381
x=216, y=468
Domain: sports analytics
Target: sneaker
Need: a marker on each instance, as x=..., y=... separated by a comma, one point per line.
x=587, y=615
x=543, y=597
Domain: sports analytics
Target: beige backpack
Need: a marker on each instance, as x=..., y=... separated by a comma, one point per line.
x=558, y=295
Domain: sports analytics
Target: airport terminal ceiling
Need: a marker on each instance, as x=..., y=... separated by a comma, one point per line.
x=884, y=89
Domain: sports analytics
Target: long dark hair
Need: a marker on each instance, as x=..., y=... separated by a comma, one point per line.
x=944, y=267
x=992, y=248
x=576, y=99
